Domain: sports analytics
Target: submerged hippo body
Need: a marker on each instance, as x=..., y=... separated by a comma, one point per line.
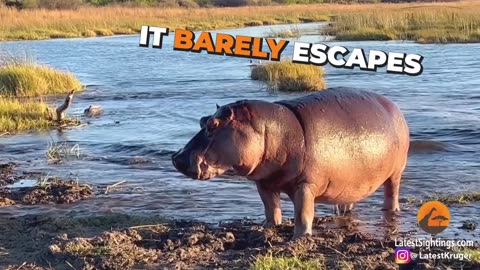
x=337, y=146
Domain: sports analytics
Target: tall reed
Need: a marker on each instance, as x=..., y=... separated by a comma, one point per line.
x=439, y=23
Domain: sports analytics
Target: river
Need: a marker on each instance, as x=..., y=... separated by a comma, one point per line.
x=153, y=99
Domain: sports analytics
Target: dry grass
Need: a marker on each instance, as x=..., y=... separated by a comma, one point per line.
x=59, y=151
x=291, y=32
x=26, y=79
x=424, y=23
x=104, y=21
x=432, y=22
x=289, y=76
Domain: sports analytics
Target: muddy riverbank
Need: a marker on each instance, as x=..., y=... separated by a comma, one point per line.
x=121, y=241
x=136, y=242
x=152, y=109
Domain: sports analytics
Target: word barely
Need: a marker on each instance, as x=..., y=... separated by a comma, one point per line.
x=303, y=53
x=223, y=44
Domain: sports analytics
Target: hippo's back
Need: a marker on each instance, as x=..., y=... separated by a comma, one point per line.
x=344, y=108
x=351, y=136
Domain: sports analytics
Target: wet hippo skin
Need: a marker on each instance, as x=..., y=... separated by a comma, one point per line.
x=337, y=146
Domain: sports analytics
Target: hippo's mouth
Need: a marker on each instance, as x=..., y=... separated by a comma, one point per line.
x=195, y=167
x=207, y=171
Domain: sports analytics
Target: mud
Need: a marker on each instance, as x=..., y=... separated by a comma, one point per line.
x=134, y=242
x=56, y=191
x=48, y=190
x=6, y=174
x=9, y=174
x=117, y=241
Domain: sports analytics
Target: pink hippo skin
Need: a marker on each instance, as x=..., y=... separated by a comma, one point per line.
x=336, y=146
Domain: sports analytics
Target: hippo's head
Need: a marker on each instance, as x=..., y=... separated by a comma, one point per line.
x=227, y=140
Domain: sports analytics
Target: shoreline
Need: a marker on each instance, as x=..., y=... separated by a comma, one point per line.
x=246, y=26
x=453, y=22
x=121, y=241
x=128, y=241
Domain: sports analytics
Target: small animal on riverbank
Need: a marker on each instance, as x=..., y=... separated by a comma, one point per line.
x=93, y=111
x=336, y=146
x=65, y=106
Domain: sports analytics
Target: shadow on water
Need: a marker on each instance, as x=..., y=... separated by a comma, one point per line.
x=154, y=98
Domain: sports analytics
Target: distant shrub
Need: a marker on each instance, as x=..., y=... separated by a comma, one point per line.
x=238, y=3
x=205, y=3
x=52, y=4
x=289, y=76
x=162, y=3
x=187, y=3
x=253, y=23
x=231, y=3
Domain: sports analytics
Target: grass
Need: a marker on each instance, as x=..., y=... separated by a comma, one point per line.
x=32, y=24
x=293, y=32
x=43, y=180
x=59, y=151
x=16, y=116
x=20, y=80
x=28, y=79
x=473, y=254
x=289, y=76
x=432, y=22
x=268, y=262
x=29, y=114
x=457, y=198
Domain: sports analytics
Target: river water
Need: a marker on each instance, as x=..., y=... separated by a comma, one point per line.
x=153, y=99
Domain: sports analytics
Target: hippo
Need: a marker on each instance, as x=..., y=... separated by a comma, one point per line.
x=337, y=146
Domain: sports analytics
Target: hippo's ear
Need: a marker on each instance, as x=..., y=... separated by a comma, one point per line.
x=237, y=113
x=240, y=113
x=203, y=121
x=227, y=113
x=217, y=106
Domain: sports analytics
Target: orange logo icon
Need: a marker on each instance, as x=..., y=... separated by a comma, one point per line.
x=433, y=217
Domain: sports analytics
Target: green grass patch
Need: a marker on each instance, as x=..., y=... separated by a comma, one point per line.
x=472, y=254
x=16, y=116
x=457, y=198
x=25, y=79
x=289, y=76
x=268, y=262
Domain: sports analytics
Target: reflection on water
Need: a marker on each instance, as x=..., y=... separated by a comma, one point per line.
x=153, y=99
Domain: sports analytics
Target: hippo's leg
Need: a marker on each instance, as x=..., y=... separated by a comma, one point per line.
x=304, y=210
x=391, y=192
x=271, y=202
